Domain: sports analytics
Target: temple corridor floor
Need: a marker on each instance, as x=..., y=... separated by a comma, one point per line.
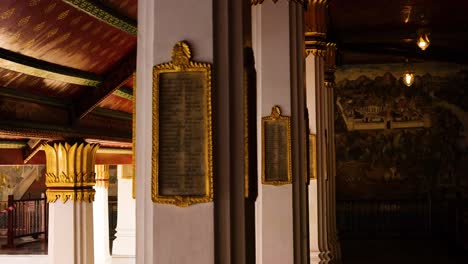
x=34, y=248
x=400, y=252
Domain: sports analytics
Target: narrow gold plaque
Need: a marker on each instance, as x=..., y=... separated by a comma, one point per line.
x=313, y=156
x=276, y=148
x=182, y=130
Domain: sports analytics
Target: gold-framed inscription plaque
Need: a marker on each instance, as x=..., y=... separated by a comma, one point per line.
x=313, y=156
x=182, y=162
x=276, y=148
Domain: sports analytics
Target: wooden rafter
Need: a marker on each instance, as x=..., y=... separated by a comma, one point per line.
x=20, y=63
x=38, y=130
x=117, y=78
x=30, y=151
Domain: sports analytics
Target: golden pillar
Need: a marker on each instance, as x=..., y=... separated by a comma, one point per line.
x=70, y=176
x=70, y=171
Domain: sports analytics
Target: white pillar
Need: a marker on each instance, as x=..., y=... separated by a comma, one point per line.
x=167, y=233
x=124, y=245
x=277, y=32
x=101, y=216
x=324, y=245
x=69, y=180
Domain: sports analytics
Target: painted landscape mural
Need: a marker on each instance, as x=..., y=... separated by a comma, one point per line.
x=401, y=151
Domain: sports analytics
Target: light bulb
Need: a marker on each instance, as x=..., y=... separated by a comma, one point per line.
x=408, y=78
x=423, y=41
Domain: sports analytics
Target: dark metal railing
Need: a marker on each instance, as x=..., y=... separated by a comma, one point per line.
x=383, y=218
x=112, y=221
x=28, y=218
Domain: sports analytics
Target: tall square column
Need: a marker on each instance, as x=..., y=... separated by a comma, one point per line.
x=281, y=209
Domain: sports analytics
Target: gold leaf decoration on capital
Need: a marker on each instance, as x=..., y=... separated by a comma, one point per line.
x=63, y=15
x=50, y=8
x=75, y=21
x=86, y=195
x=34, y=2
x=86, y=26
x=38, y=27
x=23, y=21
x=7, y=14
x=52, y=32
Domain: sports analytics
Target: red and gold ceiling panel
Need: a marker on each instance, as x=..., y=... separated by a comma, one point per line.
x=117, y=103
x=128, y=8
x=56, y=32
x=39, y=86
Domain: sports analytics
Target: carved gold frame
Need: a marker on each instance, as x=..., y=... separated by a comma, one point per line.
x=276, y=116
x=181, y=62
x=313, y=156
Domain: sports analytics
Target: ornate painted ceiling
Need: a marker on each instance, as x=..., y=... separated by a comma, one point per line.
x=66, y=71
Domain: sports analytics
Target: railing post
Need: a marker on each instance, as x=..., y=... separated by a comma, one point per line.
x=11, y=227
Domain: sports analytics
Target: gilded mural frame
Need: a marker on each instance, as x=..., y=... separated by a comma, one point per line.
x=182, y=63
x=276, y=116
x=312, y=156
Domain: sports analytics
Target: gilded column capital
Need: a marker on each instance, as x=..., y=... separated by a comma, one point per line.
x=330, y=65
x=70, y=171
x=259, y=2
x=102, y=176
x=315, y=18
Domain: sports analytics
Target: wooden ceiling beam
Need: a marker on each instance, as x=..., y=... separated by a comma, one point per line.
x=15, y=157
x=117, y=77
x=25, y=96
x=105, y=14
x=31, y=129
x=30, y=151
x=27, y=65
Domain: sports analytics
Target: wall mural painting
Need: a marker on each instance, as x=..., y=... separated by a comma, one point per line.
x=398, y=142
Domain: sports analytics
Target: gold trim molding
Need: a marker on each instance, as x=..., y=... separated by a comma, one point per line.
x=276, y=117
x=74, y=195
x=101, y=14
x=12, y=144
x=182, y=63
x=102, y=176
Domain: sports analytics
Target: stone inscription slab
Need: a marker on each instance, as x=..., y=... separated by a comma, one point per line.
x=182, y=139
x=276, y=154
x=276, y=148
